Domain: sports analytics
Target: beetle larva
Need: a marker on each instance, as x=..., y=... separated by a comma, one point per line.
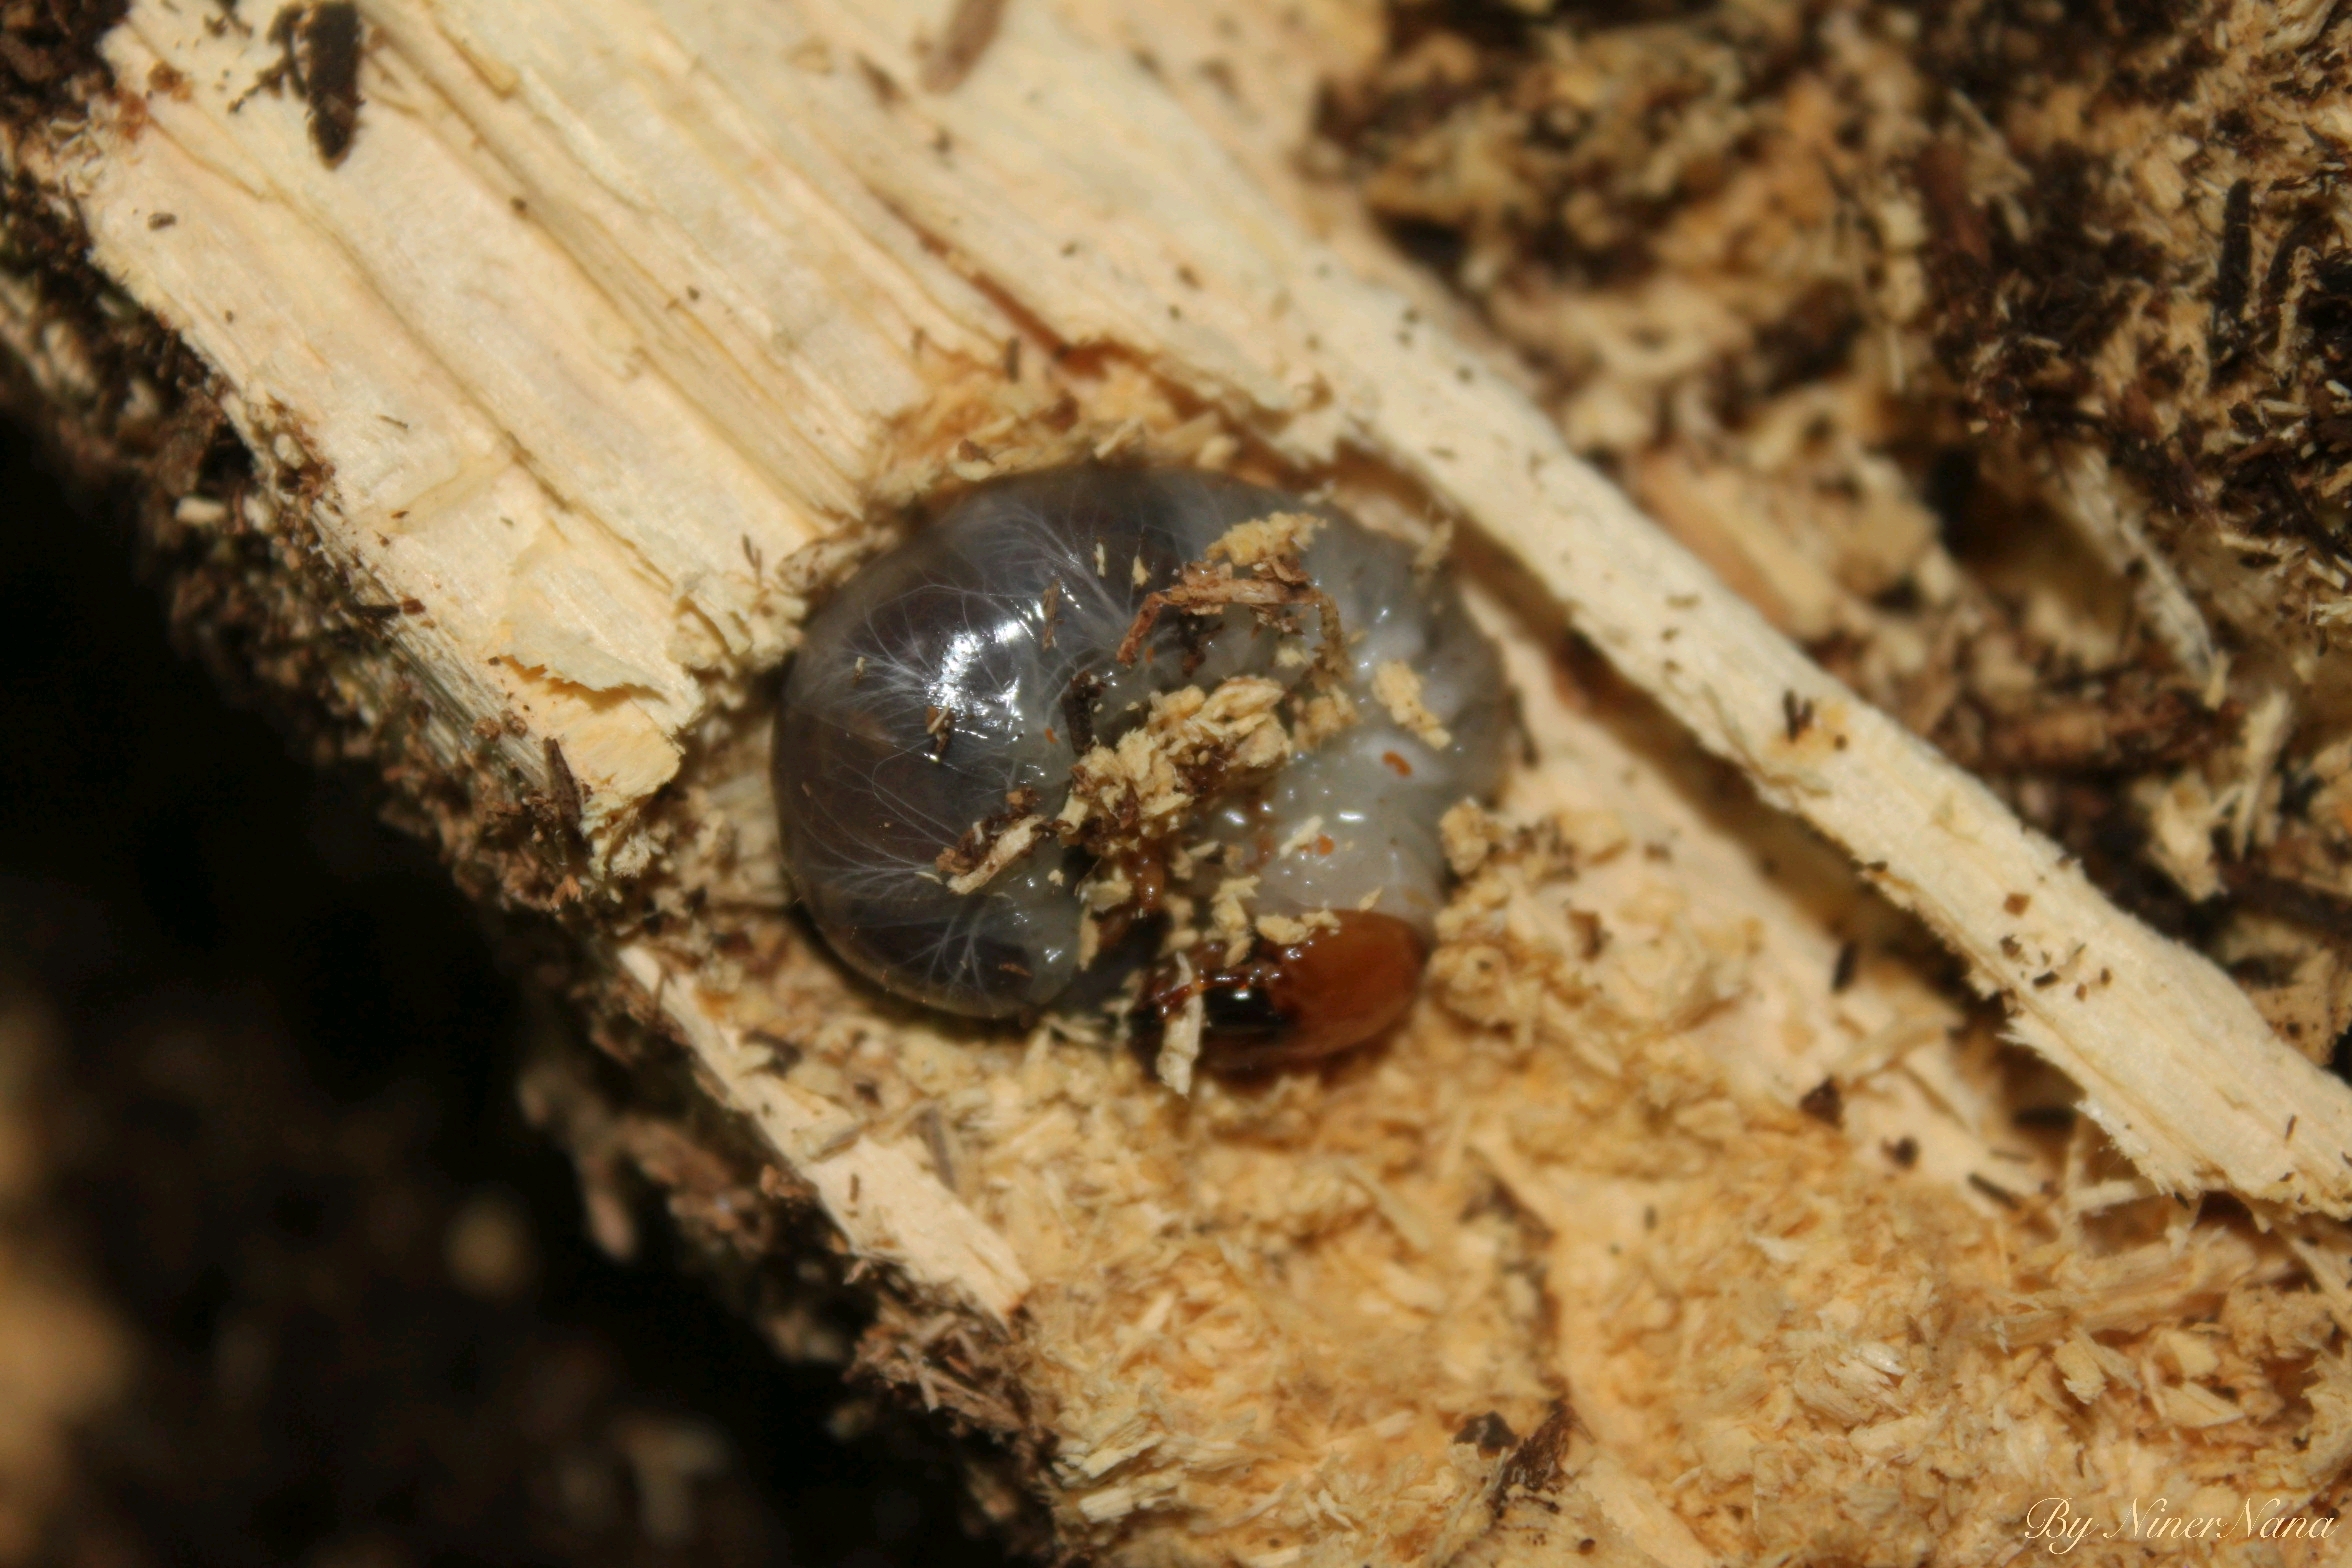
x=1101, y=720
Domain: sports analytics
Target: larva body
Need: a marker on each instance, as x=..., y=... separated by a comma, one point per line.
x=946, y=693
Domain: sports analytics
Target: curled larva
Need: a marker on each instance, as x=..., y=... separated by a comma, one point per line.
x=1097, y=724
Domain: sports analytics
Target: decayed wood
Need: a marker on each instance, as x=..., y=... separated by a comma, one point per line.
x=599, y=349
x=2177, y=1066
x=2092, y=261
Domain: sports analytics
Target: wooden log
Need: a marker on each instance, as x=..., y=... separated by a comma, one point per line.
x=570, y=350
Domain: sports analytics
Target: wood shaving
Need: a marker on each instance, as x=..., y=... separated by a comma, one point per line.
x=1180, y=1044
x=1397, y=686
x=995, y=842
x=1285, y=931
x=1302, y=837
x=1468, y=833
x=1276, y=539
x=1320, y=715
x=1267, y=547
x=1229, y=917
x=1192, y=745
x=1010, y=845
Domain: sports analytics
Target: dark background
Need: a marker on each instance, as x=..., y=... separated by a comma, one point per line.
x=285, y=1066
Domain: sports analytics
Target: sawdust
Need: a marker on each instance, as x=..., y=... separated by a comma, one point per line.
x=1191, y=745
x=1275, y=1318
x=1397, y=687
x=1269, y=1322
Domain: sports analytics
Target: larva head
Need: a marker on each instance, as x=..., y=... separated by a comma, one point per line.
x=1293, y=1004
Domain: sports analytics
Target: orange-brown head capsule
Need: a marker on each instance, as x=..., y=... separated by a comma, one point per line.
x=1295, y=1004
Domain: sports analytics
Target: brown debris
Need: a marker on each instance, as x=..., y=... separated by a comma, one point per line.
x=971, y=27
x=49, y=65
x=321, y=49
x=990, y=845
x=1994, y=357
x=563, y=790
x=1192, y=745
x=2129, y=723
x=1267, y=547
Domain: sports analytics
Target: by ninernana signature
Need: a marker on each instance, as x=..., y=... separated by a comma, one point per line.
x=2060, y=1526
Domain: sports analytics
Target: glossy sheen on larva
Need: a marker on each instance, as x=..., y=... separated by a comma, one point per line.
x=960, y=667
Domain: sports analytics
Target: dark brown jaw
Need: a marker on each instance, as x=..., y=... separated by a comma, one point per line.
x=1299, y=1003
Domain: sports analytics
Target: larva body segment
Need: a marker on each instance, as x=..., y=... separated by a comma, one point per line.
x=943, y=696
